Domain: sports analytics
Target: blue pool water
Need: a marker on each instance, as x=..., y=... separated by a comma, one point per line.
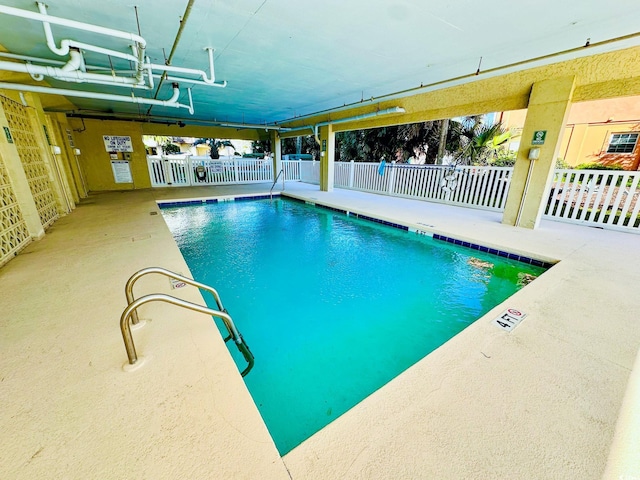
x=332, y=307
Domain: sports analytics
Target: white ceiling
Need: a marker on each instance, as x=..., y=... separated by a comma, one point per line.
x=283, y=59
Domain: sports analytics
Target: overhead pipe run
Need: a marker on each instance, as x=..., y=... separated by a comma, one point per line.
x=314, y=128
x=139, y=49
x=205, y=79
x=38, y=72
x=172, y=102
x=75, y=69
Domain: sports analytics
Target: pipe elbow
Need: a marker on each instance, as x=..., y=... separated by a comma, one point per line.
x=75, y=61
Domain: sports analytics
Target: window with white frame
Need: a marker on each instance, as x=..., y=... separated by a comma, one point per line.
x=622, y=143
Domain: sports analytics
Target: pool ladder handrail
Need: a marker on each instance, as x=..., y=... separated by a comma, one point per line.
x=132, y=305
x=276, y=181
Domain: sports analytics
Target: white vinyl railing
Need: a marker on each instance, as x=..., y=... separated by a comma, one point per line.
x=310, y=172
x=608, y=199
x=186, y=170
x=479, y=187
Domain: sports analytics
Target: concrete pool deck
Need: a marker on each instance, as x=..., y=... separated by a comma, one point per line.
x=539, y=402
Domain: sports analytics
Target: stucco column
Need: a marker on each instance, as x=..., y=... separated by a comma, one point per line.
x=327, y=157
x=19, y=183
x=549, y=105
x=276, y=147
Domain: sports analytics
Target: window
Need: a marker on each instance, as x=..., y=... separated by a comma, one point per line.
x=622, y=143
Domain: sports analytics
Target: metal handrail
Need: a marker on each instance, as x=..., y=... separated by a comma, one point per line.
x=125, y=326
x=276, y=181
x=233, y=333
x=128, y=289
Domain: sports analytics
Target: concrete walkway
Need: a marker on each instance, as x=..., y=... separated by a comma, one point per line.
x=540, y=402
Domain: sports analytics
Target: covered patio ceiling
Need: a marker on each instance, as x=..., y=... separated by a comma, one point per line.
x=284, y=59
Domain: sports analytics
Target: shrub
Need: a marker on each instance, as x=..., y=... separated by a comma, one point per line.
x=170, y=148
x=597, y=166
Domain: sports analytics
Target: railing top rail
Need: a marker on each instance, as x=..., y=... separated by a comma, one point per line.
x=128, y=289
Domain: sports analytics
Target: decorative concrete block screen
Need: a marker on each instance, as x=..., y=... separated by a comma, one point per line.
x=13, y=230
x=32, y=160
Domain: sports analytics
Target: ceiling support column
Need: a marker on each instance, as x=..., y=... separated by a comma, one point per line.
x=276, y=149
x=327, y=157
x=549, y=105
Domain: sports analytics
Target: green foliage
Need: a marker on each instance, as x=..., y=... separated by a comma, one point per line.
x=560, y=163
x=261, y=146
x=303, y=144
x=170, y=148
x=504, y=158
x=214, y=145
x=393, y=143
x=479, y=144
x=597, y=166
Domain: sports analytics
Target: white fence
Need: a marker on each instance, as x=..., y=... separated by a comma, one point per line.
x=310, y=172
x=479, y=187
x=607, y=199
x=185, y=170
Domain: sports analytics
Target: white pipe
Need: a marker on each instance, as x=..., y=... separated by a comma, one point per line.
x=189, y=80
x=104, y=51
x=27, y=58
x=205, y=79
x=524, y=193
x=73, y=76
x=386, y=111
x=100, y=96
x=47, y=20
x=75, y=61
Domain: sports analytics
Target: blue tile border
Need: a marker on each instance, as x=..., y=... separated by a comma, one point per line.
x=333, y=209
x=200, y=201
x=383, y=222
x=255, y=197
x=184, y=203
x=493, y=251
x=436, y=236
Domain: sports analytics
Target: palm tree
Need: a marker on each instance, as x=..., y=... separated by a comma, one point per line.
x=479, y=143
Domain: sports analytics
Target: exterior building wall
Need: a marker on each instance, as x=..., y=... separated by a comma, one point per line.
x=589, y=130
x=96, y=160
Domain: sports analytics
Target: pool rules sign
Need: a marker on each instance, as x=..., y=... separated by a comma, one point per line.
x=509, y=319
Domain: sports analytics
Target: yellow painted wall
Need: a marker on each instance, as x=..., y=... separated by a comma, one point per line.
x=589, y=129
x=587, y=143
x=95, y=160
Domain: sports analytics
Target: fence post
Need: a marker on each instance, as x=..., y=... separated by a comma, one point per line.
x=392, y=177
x=351, y=173
x=190, y=173
x=235, y=170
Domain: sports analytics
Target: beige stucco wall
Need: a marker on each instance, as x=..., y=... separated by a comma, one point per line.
x=95, y=160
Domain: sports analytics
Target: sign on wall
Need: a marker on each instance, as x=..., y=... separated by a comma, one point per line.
x=539, y=137
x=121, y=171
x=7, y=133
x=116, y=143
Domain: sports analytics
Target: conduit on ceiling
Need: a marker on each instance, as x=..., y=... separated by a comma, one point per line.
x=77, y=71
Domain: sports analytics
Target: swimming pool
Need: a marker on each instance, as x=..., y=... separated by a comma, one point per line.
x=332, y=306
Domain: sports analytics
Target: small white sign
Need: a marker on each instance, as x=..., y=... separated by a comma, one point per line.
x=121, y=171
x=116, y=143
x=175, y=283
x=509, y=319
x=216, y=167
